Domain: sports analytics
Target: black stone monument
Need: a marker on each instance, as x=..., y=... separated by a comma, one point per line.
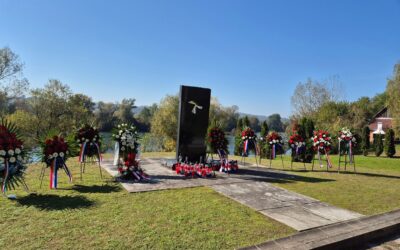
x=194, y=106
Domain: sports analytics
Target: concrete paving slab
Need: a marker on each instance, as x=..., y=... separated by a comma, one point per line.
x=296, y=217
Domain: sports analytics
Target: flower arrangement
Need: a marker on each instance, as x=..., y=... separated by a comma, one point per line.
x=126, y=148
x=347, y=142
x=346, y=135
x=130, y=169
x=248, y=134
x=249, y=141
x=296, y=141
x=274, y=138
x=89, y=142
x=55, y=154
x=275, y=143
x=216, y=140
x=12, y=155
x=322, y=141
x=194, y=170
x=322, y=145
x=126, y=136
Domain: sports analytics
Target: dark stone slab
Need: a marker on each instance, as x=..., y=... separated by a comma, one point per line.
x=194, y=106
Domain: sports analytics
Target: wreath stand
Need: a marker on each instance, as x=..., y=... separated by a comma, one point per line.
x=42, y=174
x=322, y=159
x=350, y=161
x=291, y=162
x=91, y=160
x=13, y=196
x=270, y=161
x=245, y=155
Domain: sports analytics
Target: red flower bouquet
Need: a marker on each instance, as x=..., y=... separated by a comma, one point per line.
x=216, y=140
x=11, y=157
x=274, y=138
x=248, y=134
x=322, y=141
x=194, y=170
x=55, y=154
x=296, y=141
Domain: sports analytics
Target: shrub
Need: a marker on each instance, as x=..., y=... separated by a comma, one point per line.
x=378, y=144
x=390, y=148
x=365, y=144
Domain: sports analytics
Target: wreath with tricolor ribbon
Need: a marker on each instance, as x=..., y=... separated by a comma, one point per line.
x=249, y=141
x=12, y=155
x=55, y=155
x=89, y=141
x=275, y=142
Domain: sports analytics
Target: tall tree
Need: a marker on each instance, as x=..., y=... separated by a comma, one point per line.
x=81, y=109
x=238, y=137
x=104, y=116
x=309, y=96
x=12, y=85
x=275, y=123
x=254, y=123
x=50, y=107
x=264, y=129
x=143, y=118
x=124, y=112
x=165, y=121
x=393, y=100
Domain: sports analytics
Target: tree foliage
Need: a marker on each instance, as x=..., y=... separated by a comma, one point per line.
x=275, y=123
x=393, y=98
x=165, y=121
x=308, y=97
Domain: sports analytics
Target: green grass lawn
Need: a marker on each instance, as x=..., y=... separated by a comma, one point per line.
x=99, y=214
x=374, y=189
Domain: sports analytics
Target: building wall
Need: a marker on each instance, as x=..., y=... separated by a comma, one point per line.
x=386, y=124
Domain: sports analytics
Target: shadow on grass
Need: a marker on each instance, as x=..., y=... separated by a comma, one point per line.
x=269, y=176
x=96, y=188
x=55, y=202
x=371, y=174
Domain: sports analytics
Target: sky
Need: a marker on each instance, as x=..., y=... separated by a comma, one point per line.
x=250, y=53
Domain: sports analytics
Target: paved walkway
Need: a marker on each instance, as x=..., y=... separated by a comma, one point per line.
x=252, y=187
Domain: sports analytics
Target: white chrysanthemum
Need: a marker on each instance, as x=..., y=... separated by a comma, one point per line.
x=10, y=152
x=61, y=154
x=19, y=158
x=12, y=159
x=1, y=159
x=119, y=126
x=87, y=140
x=124, y=143
x=123, y=148
x=17, y=151
x=94, y=139
x=78, y=140
x=117, y=136
x=3, y=152
x=50, y=156
x=55, y=154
